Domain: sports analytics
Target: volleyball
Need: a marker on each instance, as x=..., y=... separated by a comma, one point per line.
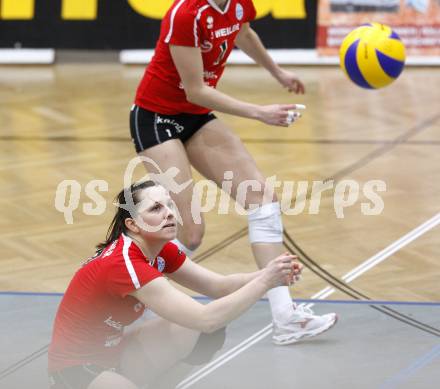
x=372, y=55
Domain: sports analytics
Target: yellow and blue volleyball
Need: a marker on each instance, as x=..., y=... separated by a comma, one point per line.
x=372, y=55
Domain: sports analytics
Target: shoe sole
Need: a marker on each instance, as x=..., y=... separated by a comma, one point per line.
x=306, y=335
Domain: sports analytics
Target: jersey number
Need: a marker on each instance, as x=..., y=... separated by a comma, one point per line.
x=223, y=50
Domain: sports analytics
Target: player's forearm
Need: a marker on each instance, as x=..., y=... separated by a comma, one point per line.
x=220, y=312
x=252, y=46
x=211, y=98
x=177, y=307
x=233, y=282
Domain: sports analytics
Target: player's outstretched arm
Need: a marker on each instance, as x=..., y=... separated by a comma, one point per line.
x=173, y=305
x=206, y=282
x=188, y=61
x=209, y=283
x=250, y=43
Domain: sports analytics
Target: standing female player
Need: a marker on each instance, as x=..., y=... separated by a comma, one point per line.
x=90, y=348
x=172, y=124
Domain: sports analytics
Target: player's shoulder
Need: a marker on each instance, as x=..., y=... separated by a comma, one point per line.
x=122, y=249
x=242, y=9
x=188, y=7
x=246, y=2
x=170, y=250
x=170, y=258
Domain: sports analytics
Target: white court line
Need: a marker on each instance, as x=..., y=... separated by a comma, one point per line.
x=382, y=255
x=222, y=359
x=53, y=114
x=350, y=276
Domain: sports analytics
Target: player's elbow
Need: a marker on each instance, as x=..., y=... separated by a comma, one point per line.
x=210, y=322
x=210, y=326
x=194, y=94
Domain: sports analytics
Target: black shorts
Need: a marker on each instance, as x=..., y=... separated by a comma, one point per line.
x=149, y=129
x=76, y=377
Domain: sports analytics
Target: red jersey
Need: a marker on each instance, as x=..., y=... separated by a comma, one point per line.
x=97, y=306
x=193, y=23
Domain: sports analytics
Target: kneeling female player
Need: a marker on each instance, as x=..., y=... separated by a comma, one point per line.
x=91, y=348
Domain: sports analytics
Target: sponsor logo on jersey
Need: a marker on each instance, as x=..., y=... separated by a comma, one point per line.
x=110, y=249
x=209, y=75
x=113, y=323
x=99, y=253
x=113, y=340
x=206, y=46
x=160, y=264
x=222, y=32
x=209, y=22
x=239, y=11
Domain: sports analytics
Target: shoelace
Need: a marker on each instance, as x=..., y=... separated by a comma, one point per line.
x=303, y=310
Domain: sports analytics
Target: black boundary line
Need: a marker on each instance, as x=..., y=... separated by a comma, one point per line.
x=350, y=291
x=202, y=256
x=6, y=138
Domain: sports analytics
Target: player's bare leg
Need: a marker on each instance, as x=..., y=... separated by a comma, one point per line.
x=153, y=348
x=160, y=353
x=172, y=154
x=215, y=149
x=110, y=380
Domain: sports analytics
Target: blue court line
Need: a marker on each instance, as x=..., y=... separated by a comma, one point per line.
x=409, y=371
x=307, y=301
x=31, y=294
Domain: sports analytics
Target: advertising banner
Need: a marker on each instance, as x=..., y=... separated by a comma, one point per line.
x=417, y=22
x=134, y=24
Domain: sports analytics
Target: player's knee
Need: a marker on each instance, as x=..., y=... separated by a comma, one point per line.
x=265, y=224
x=192, y=238
x=260, y=195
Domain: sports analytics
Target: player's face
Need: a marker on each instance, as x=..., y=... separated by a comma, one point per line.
x=156, y=214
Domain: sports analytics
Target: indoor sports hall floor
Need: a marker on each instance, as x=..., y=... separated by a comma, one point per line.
x=70, y=122
x=384, y=345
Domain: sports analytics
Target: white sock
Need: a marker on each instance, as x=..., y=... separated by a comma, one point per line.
x=281, y=304
x=189, y=253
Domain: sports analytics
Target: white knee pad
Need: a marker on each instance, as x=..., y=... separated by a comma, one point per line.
x=265, y=224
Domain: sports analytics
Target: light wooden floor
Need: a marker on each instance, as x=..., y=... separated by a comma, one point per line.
x=70, y=121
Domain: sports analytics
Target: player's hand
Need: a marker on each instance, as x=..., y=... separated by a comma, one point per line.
x=290, y=81
x=281, y=271
x=281, y=115
x=295, y=275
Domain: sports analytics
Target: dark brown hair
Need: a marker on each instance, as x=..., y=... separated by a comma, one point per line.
x=117, y=226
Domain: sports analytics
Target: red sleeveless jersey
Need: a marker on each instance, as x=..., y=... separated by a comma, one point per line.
x=97, y=306
x=193, y=23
